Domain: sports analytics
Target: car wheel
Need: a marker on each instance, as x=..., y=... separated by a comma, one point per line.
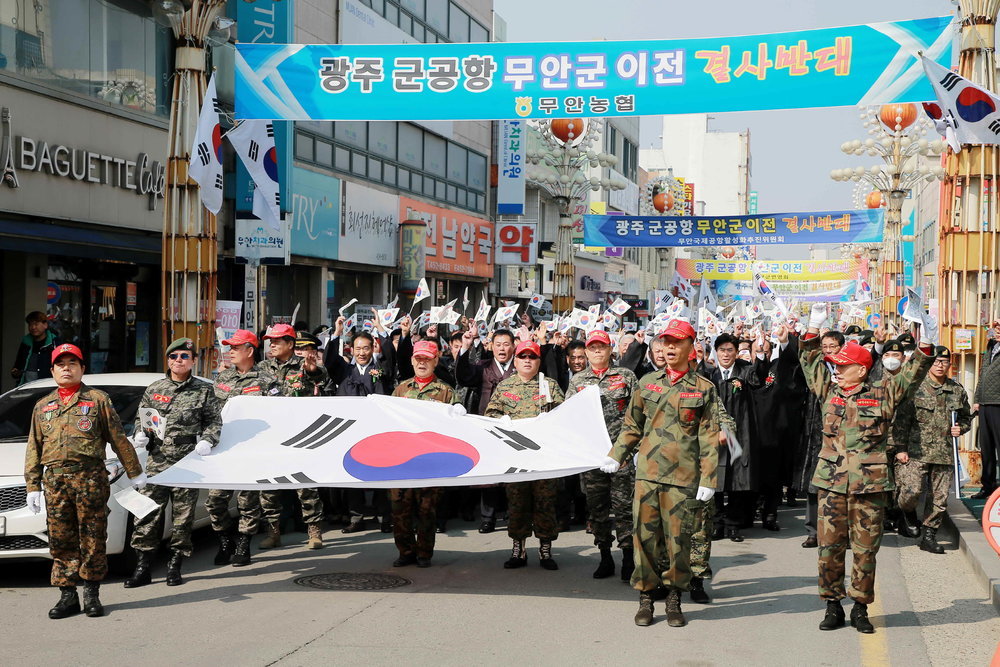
x=123, y=564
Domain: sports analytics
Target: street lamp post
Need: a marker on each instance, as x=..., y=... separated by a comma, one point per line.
x=897, y=137
x=567, y=148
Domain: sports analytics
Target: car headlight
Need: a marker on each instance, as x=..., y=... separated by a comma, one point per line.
x=115, y=470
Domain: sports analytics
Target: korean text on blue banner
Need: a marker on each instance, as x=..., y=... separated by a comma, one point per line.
x=511, y=176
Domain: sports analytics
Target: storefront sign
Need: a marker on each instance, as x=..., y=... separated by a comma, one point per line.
x=516, y=243
x=457, y=243
x=412, y=254
x=862, y=64
x=511, y=165
x=227, y=317
x=315, y=217
x=369, y=228
x=688, y=198
x=257, y=243
x=963, y=339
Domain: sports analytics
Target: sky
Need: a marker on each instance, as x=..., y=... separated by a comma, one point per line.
x=792, y=152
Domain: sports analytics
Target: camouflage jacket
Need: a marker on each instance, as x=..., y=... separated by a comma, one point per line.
x=675, y=429
x=854, y=455
x=922, y=427
x=519, y=399
x=191, y=412
x=435, y=390
x=75, y=434
x=255, y=382
x=617, y=386
x=293, y=378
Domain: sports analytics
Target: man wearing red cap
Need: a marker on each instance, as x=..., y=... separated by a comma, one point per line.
x=673, y=424
x=609, y=492
x=532, y=505
x=69, y=429
x=244, y=377
x=416, y=544
x=852, y=474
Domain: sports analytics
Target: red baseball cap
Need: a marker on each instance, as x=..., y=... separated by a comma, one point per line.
x=281, y=331
x=530, y=346
x=598, y=336
x=852, y=353
x=426, y=349
x=678, y=329
x=67, y=348
x=241, y=337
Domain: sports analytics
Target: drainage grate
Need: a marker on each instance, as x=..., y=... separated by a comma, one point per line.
x=353, y=581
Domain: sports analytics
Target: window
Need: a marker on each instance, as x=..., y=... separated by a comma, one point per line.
x=411, y=145
x=458, y=164
x=477, y=171
x=415, y=7
x=478, y=33
x=304, y=147
x=435, y=149
x=458, y=25
x=437, y=15
x=382, y=139
x=324, y=153
x=354, y=133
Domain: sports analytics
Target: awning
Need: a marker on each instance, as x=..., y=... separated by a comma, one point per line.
x=90, y=241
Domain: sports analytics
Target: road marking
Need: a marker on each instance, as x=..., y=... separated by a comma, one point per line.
x=875, y=648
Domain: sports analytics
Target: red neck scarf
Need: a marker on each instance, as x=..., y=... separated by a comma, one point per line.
x=848, y=390
x=600, y=372
x=66, y=393
x=423, y=382
x=675, y=376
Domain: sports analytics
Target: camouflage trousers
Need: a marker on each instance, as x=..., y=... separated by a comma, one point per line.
x=701, y=540
x=910, y=482
x=849, y=519
x=76, y=505
x=312, y=505
x=146, y=533
x=611, y=493
x=248, y=503
x=532, y=505
x=414, y=536
x=664, y=521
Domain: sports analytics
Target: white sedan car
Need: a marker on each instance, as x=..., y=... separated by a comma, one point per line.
x=23, y=535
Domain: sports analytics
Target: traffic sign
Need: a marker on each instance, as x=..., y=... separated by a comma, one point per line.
x=901, y=306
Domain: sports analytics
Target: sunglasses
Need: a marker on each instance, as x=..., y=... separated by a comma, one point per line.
x=184, y=356
x=527, y=356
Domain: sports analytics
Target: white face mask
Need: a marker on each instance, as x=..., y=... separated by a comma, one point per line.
x=892, y=363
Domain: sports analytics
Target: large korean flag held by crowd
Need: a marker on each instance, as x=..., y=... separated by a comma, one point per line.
x=387, y=442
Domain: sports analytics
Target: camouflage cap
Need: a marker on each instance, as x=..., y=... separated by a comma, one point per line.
x=183, y=344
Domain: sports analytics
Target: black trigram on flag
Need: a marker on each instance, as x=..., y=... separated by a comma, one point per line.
x=515, y=441
x=254, y=150
x=218, y=181
x=270, y=130
x=277, y=199
x=994, y=127
x=950, y=80
x=216, y=107
x=510, y=471
x=321, y=432
x=204, y=156
x=299, y=477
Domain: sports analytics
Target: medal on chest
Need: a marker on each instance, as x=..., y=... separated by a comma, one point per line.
x=84, y=424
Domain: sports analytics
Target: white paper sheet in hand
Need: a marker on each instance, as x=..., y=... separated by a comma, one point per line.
x=136, y=503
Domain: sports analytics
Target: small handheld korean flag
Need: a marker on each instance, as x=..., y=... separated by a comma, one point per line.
x=965, y=113
x=351, y=322
x=254, y=143
x=465, y=301
x=483, y=312
x=387, y=317
x=536, y=301
x=595, y=310
x=619, y=307
x=506, y=313
x=423, y=291
x=609, y=320
x=206, y=154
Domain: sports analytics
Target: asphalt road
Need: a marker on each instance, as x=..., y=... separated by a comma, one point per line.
x=468, y=609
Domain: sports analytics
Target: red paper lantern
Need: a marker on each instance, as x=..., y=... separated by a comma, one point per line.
x=906, y=113
x=663, y=201
x=567, y=130
x=875, y=199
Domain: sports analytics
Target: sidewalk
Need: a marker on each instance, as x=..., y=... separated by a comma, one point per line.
x=965, y=515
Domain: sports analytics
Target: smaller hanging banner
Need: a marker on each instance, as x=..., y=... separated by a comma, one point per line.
x=510, y=179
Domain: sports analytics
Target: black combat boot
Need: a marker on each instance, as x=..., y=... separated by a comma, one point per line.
x=698, y=593
x=909, y=524
x=241, y=554
x=628, y=563
x=644, y=616
x=226, y=547
x=404, y=560
x=675, y=617
x=174, y=568
x=606, y=568
x=68, y=605
x=143, y=574
x=517, y=556
x=834, y=616
x=929, y=541
x=546, y=560
x=92, y=606
x=859, y=619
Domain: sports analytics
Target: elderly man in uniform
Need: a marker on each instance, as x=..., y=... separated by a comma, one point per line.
x=532, y=504
x=297, y=376
x=609, y=493
x=923, y=430
x=69, y=429
x=416, y=544
x=244, y=377
x=188, y=407
x=673, y=423
x=852, y=474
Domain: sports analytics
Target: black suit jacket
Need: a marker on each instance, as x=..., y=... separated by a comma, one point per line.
x=483, y=375
x=349, y=380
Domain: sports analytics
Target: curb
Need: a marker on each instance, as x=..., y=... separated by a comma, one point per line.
x=972, y=543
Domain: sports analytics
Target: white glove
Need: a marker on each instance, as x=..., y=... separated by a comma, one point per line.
x=818, y=315
x=610, y=465
x=139, y=481
x=203, y=448
x=35, y=501
x=930, y=332
x=140, y=439
x=458, y=410
x=705, y=493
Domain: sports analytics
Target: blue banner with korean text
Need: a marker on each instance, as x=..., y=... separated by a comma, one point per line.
x=631, y=231
x=876, y=63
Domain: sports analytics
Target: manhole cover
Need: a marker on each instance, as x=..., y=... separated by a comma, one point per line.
x=353, y=581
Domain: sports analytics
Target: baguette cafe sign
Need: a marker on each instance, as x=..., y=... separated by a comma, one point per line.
x=20, y=153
